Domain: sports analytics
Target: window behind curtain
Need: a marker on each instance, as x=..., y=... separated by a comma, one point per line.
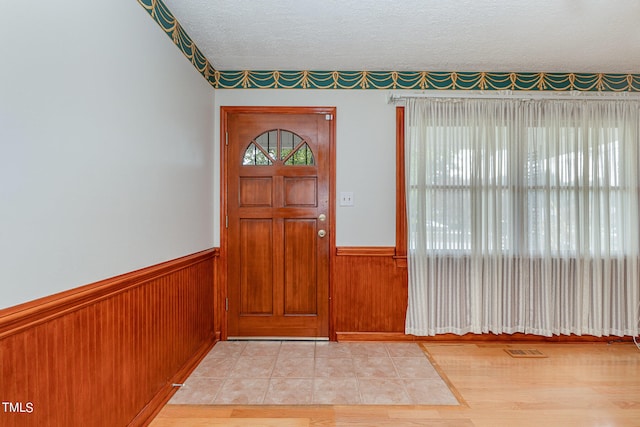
x=523, y=187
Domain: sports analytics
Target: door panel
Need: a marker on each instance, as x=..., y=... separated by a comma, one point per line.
x=256, y=267
x=277, y=201
x=255, y=191
x=300, y=283
x=300, y=191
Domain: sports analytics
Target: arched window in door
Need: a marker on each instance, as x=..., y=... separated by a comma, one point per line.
x=278, y=146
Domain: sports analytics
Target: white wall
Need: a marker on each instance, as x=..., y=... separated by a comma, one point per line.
x=365, y=145
x=105, y=146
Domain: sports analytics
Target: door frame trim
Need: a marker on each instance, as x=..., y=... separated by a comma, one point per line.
x=221, y=284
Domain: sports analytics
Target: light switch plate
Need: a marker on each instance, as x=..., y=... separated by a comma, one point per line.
x=346, y=198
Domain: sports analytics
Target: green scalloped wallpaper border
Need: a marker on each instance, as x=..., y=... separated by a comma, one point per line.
x=417, y=80
x=424, y=80
x=160, y=13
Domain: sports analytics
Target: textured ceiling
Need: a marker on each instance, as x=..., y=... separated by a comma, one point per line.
x=581, y=36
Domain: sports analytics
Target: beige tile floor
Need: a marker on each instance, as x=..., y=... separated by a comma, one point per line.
x=304, y=373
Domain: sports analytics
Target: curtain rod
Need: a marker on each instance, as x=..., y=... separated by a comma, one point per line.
x=521, y=95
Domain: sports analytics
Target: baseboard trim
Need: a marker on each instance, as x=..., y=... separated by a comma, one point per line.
x=399, y=336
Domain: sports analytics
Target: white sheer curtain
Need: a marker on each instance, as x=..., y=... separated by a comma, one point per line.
x=522, y=216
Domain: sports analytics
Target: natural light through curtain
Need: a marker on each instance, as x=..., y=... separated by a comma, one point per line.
x=522, y=216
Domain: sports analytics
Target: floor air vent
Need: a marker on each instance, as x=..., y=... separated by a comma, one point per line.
x=525, y=353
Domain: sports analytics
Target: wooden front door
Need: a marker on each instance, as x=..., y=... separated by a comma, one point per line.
x=278, y=187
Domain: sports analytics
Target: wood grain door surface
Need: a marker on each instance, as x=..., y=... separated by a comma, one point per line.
x=278, y=205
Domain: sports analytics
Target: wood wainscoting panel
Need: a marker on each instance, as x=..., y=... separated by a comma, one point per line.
x=369, y=291
x=107, y=354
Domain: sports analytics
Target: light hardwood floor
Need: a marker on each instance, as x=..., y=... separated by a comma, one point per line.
x=576, y=385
